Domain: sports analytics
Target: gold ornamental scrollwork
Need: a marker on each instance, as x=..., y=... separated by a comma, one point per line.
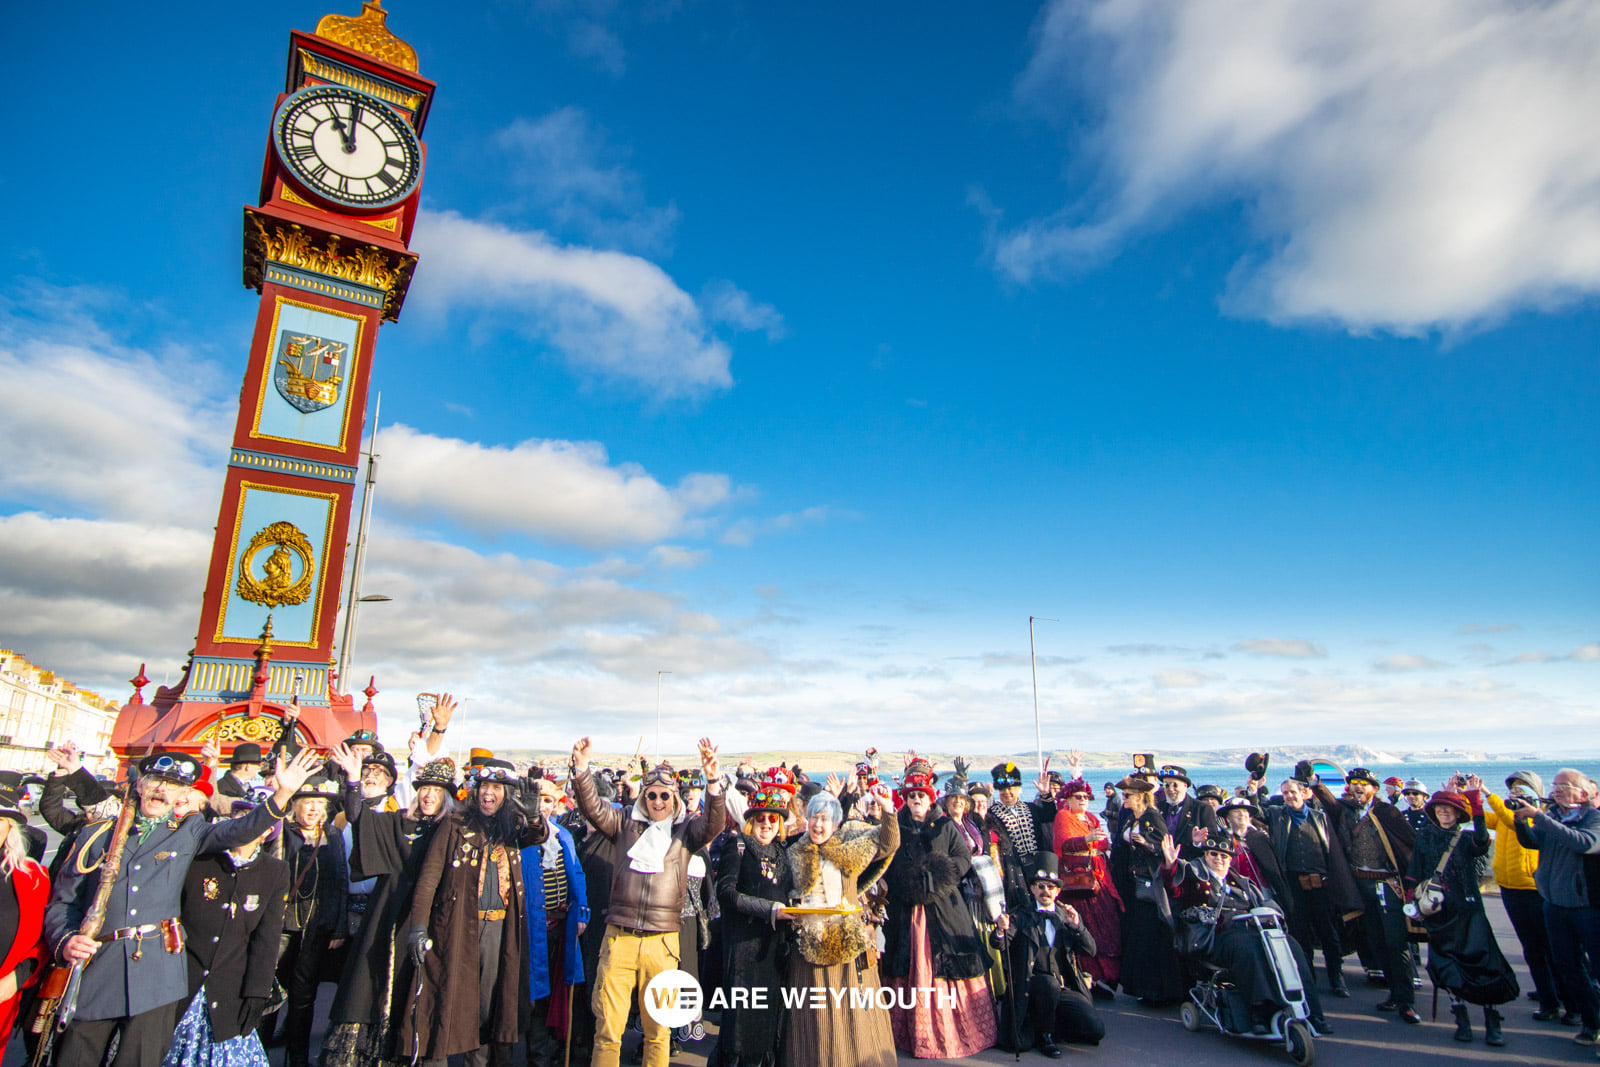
x=262, y=729
x=368, y=33
x=278, y=586
x=295, y=247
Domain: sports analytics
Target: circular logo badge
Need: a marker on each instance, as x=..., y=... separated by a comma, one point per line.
x=673, y=998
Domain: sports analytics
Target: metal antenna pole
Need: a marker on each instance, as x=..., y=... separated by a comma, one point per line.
x=347, y=640
x=1038, y=733
x=658, y=713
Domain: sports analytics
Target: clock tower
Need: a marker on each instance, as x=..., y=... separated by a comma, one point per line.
x=327, y=249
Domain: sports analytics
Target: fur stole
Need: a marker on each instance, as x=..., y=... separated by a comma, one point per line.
x=828, y=941
x=850, y=849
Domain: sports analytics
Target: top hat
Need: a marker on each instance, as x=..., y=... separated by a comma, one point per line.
x=179, y=767
x=318, y=786
x=495, y=770
x=1006, y=775
x=1173, y=772
x=384, y=760
x=1218, y=842
x=1046, y=868
x=1210, y=792
x=919, y=783
x=439, y=772
x=1361, y=774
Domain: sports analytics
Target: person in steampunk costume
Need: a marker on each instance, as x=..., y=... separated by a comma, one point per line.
x=468, y=927
x=1021, y=828
x=232, y=919
x=387, y=847
x=1048, y=943
x=136, y=978
x=655, y=840
x=558, y=914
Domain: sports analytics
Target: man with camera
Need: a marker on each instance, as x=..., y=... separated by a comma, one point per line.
x=1564, y=836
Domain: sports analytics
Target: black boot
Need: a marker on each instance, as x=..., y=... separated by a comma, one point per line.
x=1491, y=1028
x=1336, y=980
x=1047, y=1046
x=1463, y=1023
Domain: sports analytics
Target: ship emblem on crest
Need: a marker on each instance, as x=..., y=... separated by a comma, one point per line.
x=309, y=371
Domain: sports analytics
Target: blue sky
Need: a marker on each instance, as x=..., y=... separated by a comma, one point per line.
x=806, y=352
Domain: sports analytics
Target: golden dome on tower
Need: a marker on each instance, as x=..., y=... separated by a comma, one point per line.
x=367, y=33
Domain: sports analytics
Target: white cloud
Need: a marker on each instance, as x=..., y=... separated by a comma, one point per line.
x=1401, y=662
x=1488, y=628
x=728, y=304
x=1588, y=653
x=1288, y=648
x=743, y=532
x=74, y=398
x=1410, y=166
x=1177, y=678
x=566, y=166
x=608, y=313
x=676, y=557
x=566, y=490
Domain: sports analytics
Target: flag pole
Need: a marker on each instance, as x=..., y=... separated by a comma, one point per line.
x=1033, y=662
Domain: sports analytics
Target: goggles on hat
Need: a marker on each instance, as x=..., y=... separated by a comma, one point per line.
x=503, y=775
x=660, y=775
x=768, y=797
x=1008, y=777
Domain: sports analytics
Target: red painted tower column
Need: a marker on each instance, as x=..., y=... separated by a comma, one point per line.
x=327, y=249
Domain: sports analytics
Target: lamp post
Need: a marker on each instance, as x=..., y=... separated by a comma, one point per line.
x=347, y=640
x=658, y=713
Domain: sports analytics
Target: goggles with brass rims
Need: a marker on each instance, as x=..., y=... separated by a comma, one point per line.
x=503, y=775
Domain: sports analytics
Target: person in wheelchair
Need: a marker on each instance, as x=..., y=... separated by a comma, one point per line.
x=1208, y=893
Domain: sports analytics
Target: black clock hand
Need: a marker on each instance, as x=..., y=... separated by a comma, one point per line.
x=355, y=117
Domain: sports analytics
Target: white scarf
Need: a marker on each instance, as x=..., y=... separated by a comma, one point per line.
x=649, y=852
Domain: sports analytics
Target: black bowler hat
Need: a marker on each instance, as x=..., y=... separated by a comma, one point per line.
x=384, y=760
x=249, y=752
x=1218, y=843
x=1361, y=774
x=318, y=785
x=365, y=736
x=1210, y=792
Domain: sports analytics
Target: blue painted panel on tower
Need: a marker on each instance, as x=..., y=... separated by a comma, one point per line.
x=280, y=543
x=311, y=365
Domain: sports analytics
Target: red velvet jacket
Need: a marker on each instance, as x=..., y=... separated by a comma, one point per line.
x=33, y=893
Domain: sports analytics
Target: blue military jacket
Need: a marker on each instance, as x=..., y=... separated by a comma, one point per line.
x=149, y=888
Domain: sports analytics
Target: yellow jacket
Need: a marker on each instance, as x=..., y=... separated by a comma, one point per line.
x=1513, y=864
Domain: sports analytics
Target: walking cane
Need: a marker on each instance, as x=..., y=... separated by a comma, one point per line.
x=416, y=1000
x=1011, y=991
x=566, y=1051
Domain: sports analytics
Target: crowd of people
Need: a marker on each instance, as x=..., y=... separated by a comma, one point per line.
x=512, y=915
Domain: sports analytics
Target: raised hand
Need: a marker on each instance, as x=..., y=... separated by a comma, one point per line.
x=911, y=754
x=1197, y=835
x=65, y=757
x=291, y=774
x=210, y=752
x=348, y=762
x=1075, y=762
x=1169, y=850
x=580, y=754
x=834, y=784
x=708, y=758
x=444, y=711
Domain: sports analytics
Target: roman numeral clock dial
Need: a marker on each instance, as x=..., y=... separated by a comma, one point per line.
x=347, y=147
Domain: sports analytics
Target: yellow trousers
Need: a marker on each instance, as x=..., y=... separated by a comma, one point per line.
x=627, y=963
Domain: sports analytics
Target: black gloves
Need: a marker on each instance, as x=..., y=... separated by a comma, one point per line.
x=417, y=938
x=1303, y=771
x=251, y=1009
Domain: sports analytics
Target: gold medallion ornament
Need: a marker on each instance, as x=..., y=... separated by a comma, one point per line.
x=263, y=729
x=277, y=585
x=367, y=33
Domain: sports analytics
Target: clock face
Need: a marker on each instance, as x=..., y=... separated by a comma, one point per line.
x=347, y=146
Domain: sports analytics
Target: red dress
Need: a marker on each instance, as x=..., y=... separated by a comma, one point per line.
x=1102, y=913
x=32, y=885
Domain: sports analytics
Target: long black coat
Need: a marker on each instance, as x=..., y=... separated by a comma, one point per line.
x=750, y=878
x=232, y=917
x=378, y=974
x=1463, y=955
x=1191, y=814
x=446, y=902
x=927, y=870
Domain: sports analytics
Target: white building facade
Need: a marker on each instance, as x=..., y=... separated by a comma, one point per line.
x=38, y=709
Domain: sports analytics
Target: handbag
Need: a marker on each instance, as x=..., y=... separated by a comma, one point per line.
x=1078, y=876
x=1197, y=935
x=1429, y=896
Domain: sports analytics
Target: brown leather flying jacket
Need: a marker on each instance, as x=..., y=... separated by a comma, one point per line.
x=648, y=903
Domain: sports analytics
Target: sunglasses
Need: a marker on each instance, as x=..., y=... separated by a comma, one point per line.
x=661, y=797
x=766, y=816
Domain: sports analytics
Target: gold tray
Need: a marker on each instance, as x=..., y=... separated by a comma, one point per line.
x=821, y=909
